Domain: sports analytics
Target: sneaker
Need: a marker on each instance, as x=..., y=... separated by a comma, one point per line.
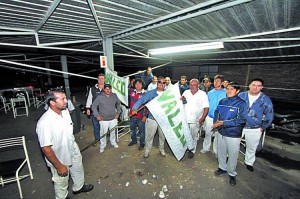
x=220, y=172
x=141, y=147
x=146, y=155
x=162, y=152
x=190, y=154
x=203, y=151
x=101, y=150
x=85, y=188
x=232, y=180
x=131, y=143
x=249, y=167
x=115, y=146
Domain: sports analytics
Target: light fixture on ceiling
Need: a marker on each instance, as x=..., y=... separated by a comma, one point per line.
x=186, y=48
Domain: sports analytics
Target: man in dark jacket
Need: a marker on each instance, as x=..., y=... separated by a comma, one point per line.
x=229, y=119
x=94, y=92
x=259, y=117
x=146, y=77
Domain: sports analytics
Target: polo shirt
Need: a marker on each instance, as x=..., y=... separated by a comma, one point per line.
x=57, y=131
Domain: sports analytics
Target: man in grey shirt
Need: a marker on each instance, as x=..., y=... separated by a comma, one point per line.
x=106, y=108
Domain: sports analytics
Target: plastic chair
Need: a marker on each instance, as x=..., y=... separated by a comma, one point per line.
x=6, y=104
x=10, y=169
x=39, y=97
x=6, y=96
x=19, y=102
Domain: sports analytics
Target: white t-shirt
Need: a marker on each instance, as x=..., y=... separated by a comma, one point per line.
x=252, y=98
x=195, y=105
x=57, y=131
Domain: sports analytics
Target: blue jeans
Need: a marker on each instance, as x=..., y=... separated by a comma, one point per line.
x=137, y=122
x=96, y=127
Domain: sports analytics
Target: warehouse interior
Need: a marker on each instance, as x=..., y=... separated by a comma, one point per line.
x=260, y=38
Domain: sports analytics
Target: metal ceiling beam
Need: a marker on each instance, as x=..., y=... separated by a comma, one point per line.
x=51, y=48
x=175, y=17
x=50, y=11
x=92, y=8
x=67, y=34
x=131, y=49
x=246, y=58
x=69, y=42
x=16, y=33
x=203, y=41
x=45, y=69
x=15, y=29
x=267, y=33
x=12, y=55
x=254, y=49
x=37, y=41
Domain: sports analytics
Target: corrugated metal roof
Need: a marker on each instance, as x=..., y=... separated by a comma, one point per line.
x=253, y=31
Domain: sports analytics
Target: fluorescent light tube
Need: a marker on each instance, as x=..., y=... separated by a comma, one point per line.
x=186, y=48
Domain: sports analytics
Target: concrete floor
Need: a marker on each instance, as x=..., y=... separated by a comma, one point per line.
x=118, y=173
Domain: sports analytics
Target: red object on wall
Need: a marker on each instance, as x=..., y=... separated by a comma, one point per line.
x=103, y=61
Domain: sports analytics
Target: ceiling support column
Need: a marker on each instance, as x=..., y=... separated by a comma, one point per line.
x=108, y=52
x=48, y=74
x=64, y=65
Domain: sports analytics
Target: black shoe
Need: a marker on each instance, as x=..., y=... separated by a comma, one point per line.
x=232, y=180
x=85, y=188
x=190, y=154
x=141, y=147
x=249, y=167
x=131, y=143
x=220, y=172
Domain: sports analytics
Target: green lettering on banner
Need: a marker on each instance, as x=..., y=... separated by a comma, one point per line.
x=120, y=87
x=177, y=130
x=112, y=81
x=172, y=116
x=169, y=106
x=117, y=85
x=108, y=78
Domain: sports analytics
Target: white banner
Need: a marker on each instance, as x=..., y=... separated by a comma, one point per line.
x=167, y=109
x=119, y=85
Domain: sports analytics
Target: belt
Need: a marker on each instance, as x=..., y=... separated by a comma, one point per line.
x=247, y=127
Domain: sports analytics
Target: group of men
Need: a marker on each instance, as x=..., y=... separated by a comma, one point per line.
x=200, y=103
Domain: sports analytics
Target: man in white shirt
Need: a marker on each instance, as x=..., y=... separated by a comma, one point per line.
x=62, y=154
x=196, y=108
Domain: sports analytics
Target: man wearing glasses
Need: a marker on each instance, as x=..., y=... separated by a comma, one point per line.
x=151, y=124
